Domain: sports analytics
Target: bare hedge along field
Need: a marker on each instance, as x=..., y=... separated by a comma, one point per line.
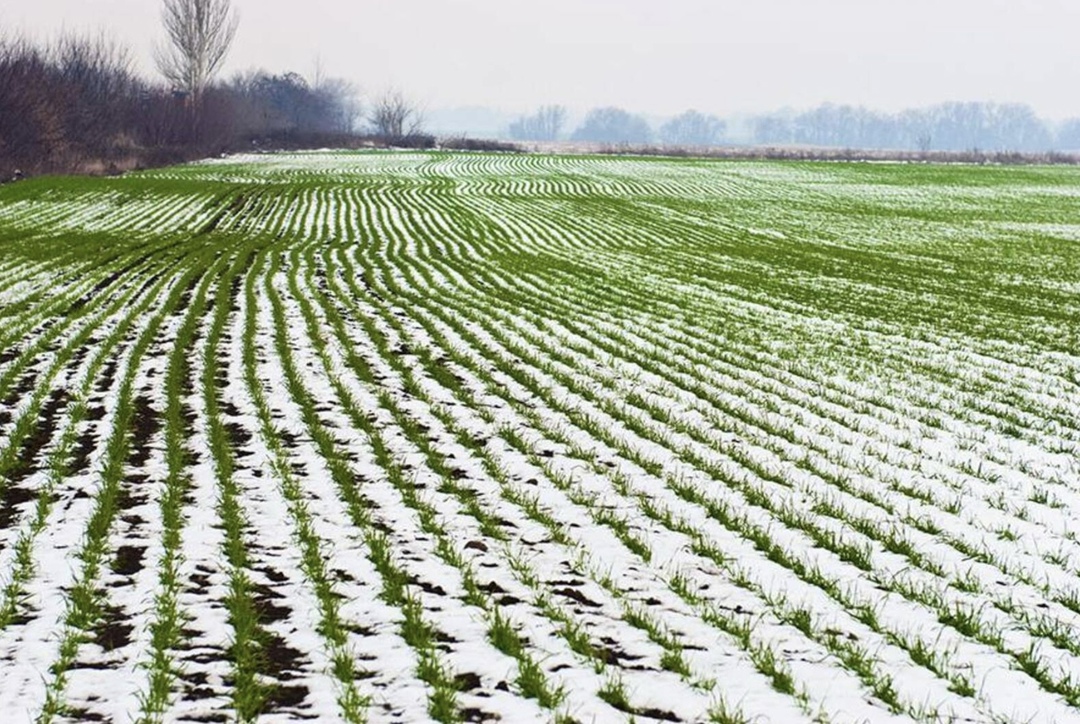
x=403, y=437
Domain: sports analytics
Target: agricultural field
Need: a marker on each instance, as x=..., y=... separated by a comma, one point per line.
x=403, y=437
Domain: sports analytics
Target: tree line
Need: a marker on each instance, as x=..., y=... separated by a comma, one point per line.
x=77, y=104
x=615, y=125
x=944, y=127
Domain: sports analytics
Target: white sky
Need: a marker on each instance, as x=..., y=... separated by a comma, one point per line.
x=652, y=56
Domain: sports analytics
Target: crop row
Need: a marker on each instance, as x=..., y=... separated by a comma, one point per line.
x=465, y=437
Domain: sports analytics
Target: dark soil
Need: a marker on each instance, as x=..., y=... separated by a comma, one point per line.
x=577, y=596
x=268, y=610
x=13, y=497
x=26, y=386
x=200, y=583
x=84, y=447
x=36, y=441
x=130, y=495
x=612, y=653
x=185, y=297
x=207, y=718
x=467, y=682
x=145, y=424
x=273, y=575
x=282, y=660
x=128, y=560
x=287, y=697
x=108, y=376
x=112, y=632
x=238, y=437
x=187, y=415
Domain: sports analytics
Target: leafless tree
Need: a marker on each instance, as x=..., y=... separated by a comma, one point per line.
x=95, y=61
x=692, y=128
x=544, y=125
x=95, y=74
x=552, y=119
x=341, y=100
x=32, y=133
x=394, y=116
x=613, y=125
x=318, y=77
x=199, y=34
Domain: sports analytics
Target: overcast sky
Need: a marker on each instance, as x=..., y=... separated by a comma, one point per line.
x=652, y=56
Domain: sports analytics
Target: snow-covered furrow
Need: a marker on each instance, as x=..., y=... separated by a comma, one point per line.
x=21, y=279
x=70, y=384
x=135, y=542
x=202, y=687
x=785, y=387
x=30, y=647
x=381, y=653
x=649, y=585
x=607, y=553
x=549, y=561
x=991, y=520
x=39, y=325
x=454, y=305
x=474, y=437
x=797, y=546
x=463, y=531
x=67, y=347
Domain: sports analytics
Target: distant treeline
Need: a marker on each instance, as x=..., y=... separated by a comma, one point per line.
x=989, y=127
x=76, y=105
x=946, y=127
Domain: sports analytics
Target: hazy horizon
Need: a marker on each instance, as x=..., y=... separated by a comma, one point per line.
x=659, y=59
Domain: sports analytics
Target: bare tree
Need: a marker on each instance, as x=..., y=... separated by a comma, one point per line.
x=319, y=75
x=199, y=33
x=394, y=116
x=692, y=129
x=96, y=75
x=544, y=125
x=341, y=100
x=1068, y=134
x=31, y=129
x=613, y=125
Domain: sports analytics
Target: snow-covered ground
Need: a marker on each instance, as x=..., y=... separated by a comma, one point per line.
x=464, y=437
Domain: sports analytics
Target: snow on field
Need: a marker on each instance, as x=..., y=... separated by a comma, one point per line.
x=462, y=437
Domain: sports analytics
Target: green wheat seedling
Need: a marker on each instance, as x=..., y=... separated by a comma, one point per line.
x=818, y=410
x=86, y=598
